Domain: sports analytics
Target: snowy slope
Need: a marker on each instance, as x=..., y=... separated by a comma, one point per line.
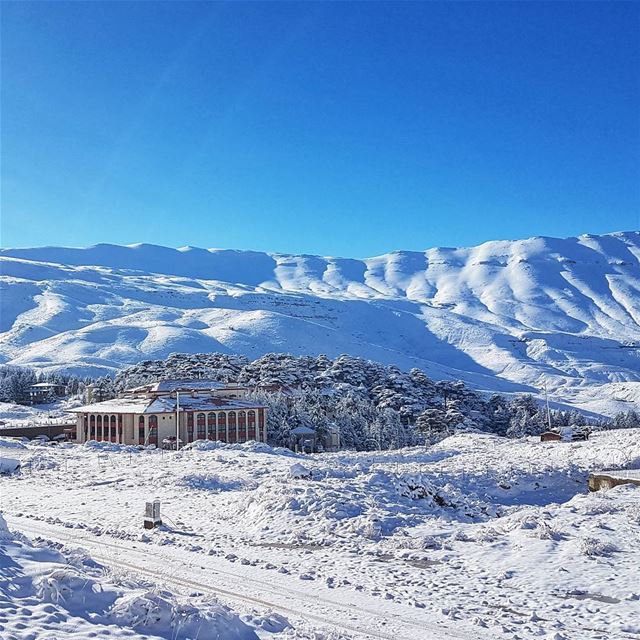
x=505, y=315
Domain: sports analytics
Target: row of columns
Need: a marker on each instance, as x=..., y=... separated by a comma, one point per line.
x=135, y=429
x=213, y=427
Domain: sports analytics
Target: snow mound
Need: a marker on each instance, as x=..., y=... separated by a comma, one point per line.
x=250, y=446
x=160, y=613
x=4, y=529
x=111, y=447
x=9, y=465
x=11, y=443
x=299, y=471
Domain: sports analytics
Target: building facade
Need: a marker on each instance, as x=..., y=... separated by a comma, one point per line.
x=147, y=415
x=44, y=391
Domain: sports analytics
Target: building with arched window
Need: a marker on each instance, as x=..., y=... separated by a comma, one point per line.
x=147, y=415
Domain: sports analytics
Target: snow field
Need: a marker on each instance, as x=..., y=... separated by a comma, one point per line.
x=477, y=532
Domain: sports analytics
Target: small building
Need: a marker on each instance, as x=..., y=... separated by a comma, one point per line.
x=42, y=392
x=147, y=415
x=551, y=436
x=303, y=439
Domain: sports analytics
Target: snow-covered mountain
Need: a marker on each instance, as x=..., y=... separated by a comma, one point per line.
x=505, y=315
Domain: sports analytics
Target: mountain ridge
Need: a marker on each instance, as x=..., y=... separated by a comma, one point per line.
x=504, y=315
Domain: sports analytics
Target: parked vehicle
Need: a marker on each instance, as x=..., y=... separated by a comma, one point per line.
x=170, y=442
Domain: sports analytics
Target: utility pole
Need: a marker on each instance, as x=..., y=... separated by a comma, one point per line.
x=546, y=396
x=177, y=420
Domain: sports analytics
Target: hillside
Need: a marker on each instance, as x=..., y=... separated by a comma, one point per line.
x=505, y=315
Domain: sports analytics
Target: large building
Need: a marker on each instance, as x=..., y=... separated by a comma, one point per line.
x=146, y=415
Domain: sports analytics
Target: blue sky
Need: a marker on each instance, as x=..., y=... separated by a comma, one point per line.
x=331, y=128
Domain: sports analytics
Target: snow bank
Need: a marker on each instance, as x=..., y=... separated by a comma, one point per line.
x=51, y=594
x=11, y=443
x=4, y=529
x=9, y=465
x=250, y=447
x=160, y=613
x=299, y=471
x=112, y=447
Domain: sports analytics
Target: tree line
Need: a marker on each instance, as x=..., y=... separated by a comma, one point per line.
x=371, y=405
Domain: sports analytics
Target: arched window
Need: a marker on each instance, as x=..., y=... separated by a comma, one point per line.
x=190, y=426
x=231, y=418
x=242, y=426
x=211, y=426
x=202, y=426
x=141, y=430
x=251, y=425
x=120, y=440
x=113, y=434
x=92, y=427
x=153, y=430
x=222, y=427
x=98, y=428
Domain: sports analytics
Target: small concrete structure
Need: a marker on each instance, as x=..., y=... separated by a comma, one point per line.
x=152, y=515
x=607, y=479
x=303, y=439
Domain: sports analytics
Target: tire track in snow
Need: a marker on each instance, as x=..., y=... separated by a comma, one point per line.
x=283, y=599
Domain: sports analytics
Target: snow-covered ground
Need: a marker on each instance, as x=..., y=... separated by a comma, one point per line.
x=13, y=414
x=504, y=316
x=49, y=593
x=477, y=537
